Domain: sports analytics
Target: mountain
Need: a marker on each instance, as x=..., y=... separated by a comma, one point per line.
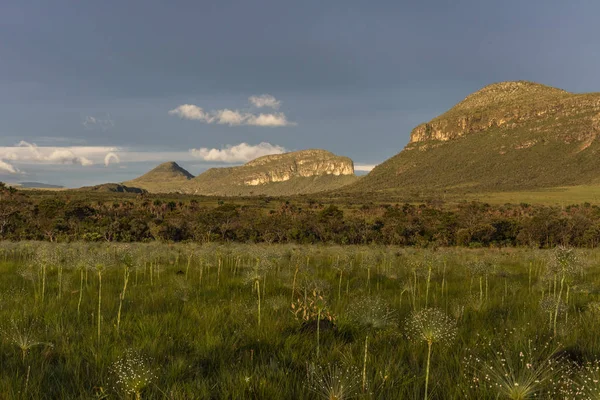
x=300, y=172
x=167, y=177
x=506, y=136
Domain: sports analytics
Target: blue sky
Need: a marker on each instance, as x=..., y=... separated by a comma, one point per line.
x=82, y=80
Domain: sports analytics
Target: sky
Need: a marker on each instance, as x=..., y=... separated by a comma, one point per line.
x=102, y=91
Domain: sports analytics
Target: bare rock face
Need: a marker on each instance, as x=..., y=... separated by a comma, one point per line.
x=300, y=172
x=306, y=163
x=508, y=105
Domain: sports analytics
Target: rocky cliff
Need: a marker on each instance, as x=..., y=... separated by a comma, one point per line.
x=508, y=105
x=306, y=163
x=506, y=136
x=299, y=172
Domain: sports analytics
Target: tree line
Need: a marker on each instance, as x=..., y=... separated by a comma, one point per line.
x=64, y=217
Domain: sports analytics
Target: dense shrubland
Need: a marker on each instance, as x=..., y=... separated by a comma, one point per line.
x=76, y=216
x=184, y=321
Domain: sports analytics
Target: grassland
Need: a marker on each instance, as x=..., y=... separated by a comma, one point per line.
x=562, y=196
x=283, y=322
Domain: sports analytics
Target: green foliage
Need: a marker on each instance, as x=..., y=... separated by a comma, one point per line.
x=194, y=334
x=512, y=136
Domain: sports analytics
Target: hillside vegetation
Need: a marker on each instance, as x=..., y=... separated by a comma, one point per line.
x=300, y=172
x=167, y=177
x=507, y=136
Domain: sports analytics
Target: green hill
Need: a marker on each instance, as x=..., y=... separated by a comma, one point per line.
x=507, y=136
x=167, y=177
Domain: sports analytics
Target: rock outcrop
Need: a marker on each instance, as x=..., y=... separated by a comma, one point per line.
x=507, y=105
x=306, y=163
x=299, y=172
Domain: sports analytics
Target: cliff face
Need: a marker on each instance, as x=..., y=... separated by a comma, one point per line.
x=306, y=163
x=306, y=171
x=508, y=105
x=506, y=136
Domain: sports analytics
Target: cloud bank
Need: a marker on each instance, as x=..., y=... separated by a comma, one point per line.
x=30, y=153
x=366, y=168
x=242, y=152
x=50, y=155
x=7, y=168
x=236, y=117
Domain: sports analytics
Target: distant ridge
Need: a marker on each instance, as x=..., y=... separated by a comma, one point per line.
x=39, y=185
x=300, y=172
x=113, y=188
x=506, y=136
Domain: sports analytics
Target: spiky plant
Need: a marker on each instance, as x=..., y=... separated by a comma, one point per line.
x=432, y=326
x=527, y=373
x=586, y=384
x=133, y=374
x=372, y=314
x=333, y=382
x=22, y=334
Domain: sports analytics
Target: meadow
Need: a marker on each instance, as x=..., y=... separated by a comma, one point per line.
x=159, y=321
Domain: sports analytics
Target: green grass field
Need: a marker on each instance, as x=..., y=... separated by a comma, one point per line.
x=273, y=322
x=562, y=196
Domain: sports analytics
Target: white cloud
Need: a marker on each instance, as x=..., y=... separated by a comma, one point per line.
x=230, y=117
x=104, y=124
x=50, y=155
x=111, y=157
x=6, y=167
x=366, y=168
x=242, y=152
x=30, y=153
x=264, y=100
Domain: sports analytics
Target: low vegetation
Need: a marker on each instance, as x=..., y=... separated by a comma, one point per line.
x=123, y=217
x=156, y=321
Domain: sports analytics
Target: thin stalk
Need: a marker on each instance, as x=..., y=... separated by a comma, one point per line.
x=122, y=296
x=562, y=281
x=294, y=282
x=99, y=302
x=318, y=331
x=258, y=294
x=340, y=285
x=364, y=371
x=80, y=291
x=429, y=344
x=427, y=288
